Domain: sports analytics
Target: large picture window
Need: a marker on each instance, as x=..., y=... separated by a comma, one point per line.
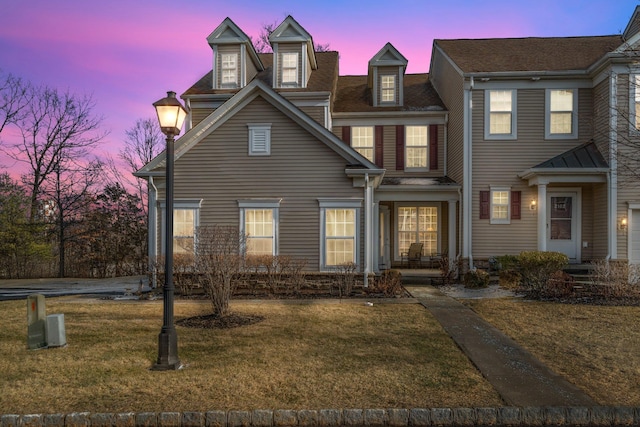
x=500, y=114
x=418, y=224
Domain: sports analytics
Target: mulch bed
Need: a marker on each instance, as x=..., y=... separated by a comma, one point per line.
x=213, y=321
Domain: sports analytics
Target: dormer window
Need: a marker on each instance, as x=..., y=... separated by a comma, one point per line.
x=388, y=89
x=290, y=68
x=229, y=69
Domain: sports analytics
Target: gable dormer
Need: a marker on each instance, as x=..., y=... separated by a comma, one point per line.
x=386, y=77
x=294, y=57
x=235, y=61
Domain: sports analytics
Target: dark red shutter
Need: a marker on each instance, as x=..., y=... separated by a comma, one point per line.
x=433, y=147
x=484, y=204
x=516, y=204
x=379, y=143
x=346, y=134
x=399, y=147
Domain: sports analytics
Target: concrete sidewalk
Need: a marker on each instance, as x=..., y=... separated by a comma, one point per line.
x=519, y=378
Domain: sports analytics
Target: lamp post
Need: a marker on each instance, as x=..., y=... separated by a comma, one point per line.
x=171, y=115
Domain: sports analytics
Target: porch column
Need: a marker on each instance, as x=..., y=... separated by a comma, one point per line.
x=375, y=237
x=542, y=217
x=452, y=231
x=368, y=228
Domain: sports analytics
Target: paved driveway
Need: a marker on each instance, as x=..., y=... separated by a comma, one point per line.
x=20, y=288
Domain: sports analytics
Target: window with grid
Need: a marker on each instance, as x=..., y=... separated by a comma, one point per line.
x=561, y=112
x=416, y=147
x=635, y=97
x=290, y=68
x=500, y=206
x=183, y=230
x=340, y=236
x=362, y=141
x=418, y=224
x=500, y=117
x=259, y=231
x=229, y=67
x=388, y=88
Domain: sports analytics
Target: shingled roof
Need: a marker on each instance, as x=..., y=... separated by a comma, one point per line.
x=528, y=54
x=354, y=95
x=322, y=80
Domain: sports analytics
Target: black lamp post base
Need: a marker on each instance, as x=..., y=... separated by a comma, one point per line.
x=167, y=352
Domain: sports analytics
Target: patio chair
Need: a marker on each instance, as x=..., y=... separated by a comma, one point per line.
x=413, y=255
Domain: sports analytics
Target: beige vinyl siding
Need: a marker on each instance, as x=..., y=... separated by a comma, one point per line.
x=251, y=70
x=299, y=170
x=498, y=163
x=198, y=114
x=450, y=86
x=601, y=117
x=316, y=113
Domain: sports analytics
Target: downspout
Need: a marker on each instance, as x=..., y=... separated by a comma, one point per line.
x=613, y=167
x=152, y=236
x=446, y=143
x=467, y=207
x=367, y=231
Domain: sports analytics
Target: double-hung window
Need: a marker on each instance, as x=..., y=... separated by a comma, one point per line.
x=416, y=148
x=362, y=141
x=500, y=114
x=259, y=225
x=634, y=97
x=229, y=68
x=290, y=68
x=340, y=225
x=418, y=224
x=561, y=110
x=500, y=205
x=388, y=89
x=186, y=218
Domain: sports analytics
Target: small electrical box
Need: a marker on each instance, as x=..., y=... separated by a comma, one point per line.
x=56, y=336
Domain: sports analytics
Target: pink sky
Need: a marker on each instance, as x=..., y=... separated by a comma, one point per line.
x=129, y=53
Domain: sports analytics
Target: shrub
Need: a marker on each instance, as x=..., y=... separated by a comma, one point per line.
x=536, y=267
x=508, y=268
x=389, y=283
x=559, y=285
x=476, y=279
x=449, y=270
x=346, y=278
x=615, y=279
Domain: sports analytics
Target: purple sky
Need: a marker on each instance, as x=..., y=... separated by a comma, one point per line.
x=129, y=53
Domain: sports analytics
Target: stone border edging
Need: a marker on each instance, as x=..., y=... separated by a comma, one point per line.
x=417, y=417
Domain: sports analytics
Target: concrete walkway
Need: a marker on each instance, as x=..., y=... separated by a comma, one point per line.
x=519, y=378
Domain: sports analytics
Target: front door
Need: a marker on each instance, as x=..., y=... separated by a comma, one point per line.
x=562, y=223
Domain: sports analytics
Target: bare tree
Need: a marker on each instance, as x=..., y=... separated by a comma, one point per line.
x=56, y=129
x=219, y=260
x=144, y=141
x=262, y=45
x=14, y=97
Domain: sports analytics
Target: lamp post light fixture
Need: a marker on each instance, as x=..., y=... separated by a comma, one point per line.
x=171, y=115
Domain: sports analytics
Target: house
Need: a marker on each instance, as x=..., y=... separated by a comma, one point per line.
x=506, y=145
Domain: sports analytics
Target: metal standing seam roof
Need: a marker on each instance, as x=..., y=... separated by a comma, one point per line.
x=528, y=54
x=584, y=156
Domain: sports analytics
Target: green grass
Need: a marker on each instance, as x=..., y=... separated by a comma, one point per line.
x=302, y=356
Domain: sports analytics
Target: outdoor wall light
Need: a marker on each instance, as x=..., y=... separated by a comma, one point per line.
x=622, y=224
x=171, y=115
x=533, y=205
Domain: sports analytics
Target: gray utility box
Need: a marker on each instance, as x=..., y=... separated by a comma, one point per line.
x=36, y=322
x=56, y=336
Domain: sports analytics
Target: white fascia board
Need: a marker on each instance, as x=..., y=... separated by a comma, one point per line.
x=392, y=118
x=551, y=175
x=416, y=195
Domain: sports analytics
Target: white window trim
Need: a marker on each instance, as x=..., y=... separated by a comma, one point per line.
x=514, y=116
x=256, y=130
x=396, y=243
x=236, y=83
x=547, y=116
x=406, y=147
x=395, y=89
x=634, y=87
x=194, y=204
x=373, y=141
x=274, y=205
x=493, y=220
x=339, y=204
x=290, y=83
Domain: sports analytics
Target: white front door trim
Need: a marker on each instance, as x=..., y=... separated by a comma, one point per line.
x=577, y=212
